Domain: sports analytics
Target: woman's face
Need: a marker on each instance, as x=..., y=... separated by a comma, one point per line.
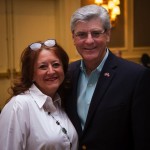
x=48, y=72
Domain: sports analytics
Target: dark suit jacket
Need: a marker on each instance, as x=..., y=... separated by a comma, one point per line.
x=119, y=113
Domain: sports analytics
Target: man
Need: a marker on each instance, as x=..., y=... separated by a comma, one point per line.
x=109, y=97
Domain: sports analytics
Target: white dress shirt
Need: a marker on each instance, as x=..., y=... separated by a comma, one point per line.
x=26, y=125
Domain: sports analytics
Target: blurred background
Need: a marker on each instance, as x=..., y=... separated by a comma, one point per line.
x=25, y=21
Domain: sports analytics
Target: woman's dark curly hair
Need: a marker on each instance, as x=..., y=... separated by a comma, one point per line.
x=28, y=58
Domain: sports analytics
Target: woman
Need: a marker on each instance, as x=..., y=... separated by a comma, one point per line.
x=34, y=118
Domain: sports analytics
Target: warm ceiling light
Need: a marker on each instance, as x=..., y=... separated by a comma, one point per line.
x=98, y=2
x=112, y=7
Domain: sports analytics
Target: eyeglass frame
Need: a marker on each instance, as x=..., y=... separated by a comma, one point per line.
x=94, y=34
x=37, y=45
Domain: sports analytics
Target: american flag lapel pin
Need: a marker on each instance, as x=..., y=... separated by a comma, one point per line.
x=106, y=74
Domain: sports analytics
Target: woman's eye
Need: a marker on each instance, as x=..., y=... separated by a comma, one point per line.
x=56, y=65
x=43, y=67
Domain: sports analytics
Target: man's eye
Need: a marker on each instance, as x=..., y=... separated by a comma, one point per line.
x=81, y=34
x=96, y=34
x=56, y=65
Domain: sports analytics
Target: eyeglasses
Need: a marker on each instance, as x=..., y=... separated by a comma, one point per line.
x=38, y=45
x=94, y=34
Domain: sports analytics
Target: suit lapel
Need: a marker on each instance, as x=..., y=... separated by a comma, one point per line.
x=72, y=105
x=103, y=83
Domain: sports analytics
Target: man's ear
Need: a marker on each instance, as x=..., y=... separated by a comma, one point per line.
x=108, y=33
x=73, y=36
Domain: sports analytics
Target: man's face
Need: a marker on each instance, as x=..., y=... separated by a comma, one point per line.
x=90, y=39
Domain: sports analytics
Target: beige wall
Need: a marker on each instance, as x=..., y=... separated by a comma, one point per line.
x=25, y=21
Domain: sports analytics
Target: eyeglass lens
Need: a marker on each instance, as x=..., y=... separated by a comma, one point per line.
x=49, y=43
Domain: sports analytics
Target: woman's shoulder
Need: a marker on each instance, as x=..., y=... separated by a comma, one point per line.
x=20, y=101
x=22, y=97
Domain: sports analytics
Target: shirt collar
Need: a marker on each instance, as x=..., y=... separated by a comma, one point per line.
x=99, y=68
x=43, y=100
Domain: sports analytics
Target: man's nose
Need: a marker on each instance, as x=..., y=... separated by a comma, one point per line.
x=89, y=38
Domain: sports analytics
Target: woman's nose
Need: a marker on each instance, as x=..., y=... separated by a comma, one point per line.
x=50, y=70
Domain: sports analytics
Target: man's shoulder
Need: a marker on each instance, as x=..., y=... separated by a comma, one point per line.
x=127, y=64
x=123, y=63
x=77, y=62
x=74, y=65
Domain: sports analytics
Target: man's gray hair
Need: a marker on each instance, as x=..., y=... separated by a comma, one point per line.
x=88, y=12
